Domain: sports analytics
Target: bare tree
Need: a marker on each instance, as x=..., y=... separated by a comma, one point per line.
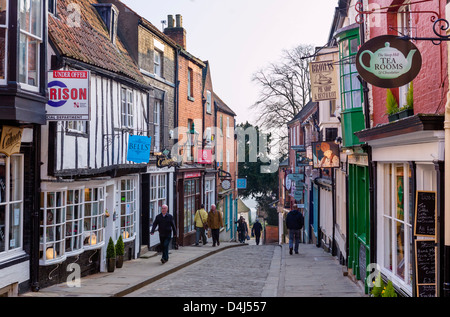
x=284, y=90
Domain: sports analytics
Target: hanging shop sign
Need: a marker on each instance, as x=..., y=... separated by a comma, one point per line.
x=11, y=140
x=139, y=148
x=387, y=61
x=205, y=156
x=241, y=183
x=325, y=155
x=69, y=93
x=323, y=77
x=301, y=159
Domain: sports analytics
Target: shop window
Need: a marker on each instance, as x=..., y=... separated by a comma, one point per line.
x=397, y=223
x=94, y=215
x=191, y=195
x=30, y=21
x=11, y=204
x=351, y=94
x=72, y=220
x=158, y=194
x=127, y=207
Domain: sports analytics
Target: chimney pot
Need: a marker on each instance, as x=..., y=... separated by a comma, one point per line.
x=179, y=21
x=170, y=21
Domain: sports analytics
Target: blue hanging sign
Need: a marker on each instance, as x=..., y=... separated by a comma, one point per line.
x=241, y=183
x=139, y=148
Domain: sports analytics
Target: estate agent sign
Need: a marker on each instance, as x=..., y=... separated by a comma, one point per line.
x=68, y=95
x=387, y=61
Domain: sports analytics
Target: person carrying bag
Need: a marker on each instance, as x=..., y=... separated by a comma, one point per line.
x=200, y=219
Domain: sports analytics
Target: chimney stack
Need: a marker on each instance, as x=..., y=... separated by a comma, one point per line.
x=175, y=30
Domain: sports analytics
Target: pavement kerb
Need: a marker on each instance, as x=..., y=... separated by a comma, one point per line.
x=152, y=279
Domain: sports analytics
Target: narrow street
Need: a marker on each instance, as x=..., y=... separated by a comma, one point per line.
x=257, y=271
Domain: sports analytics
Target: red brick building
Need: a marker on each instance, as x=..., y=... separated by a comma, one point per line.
x=188, y=132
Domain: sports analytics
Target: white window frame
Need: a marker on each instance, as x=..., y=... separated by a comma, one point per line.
x=387, y=220
x=157, y=62
x=75, y=236
x=228, y=127
x=82, y=239
x=208, y=102
x=29, y=38
x=158, y=194
x=8, y=204
x=76, y=126
x=209, y=193
x=127, y=108
x=93, y=237
x=126, y=215
x=157, y=124
x=5, y=27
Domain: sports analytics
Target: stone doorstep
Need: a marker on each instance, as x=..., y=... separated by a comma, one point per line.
x=148, y=255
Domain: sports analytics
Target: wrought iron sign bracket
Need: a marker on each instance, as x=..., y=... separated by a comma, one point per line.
x=436, y=28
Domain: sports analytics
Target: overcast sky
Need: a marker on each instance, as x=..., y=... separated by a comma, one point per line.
x=239, y=37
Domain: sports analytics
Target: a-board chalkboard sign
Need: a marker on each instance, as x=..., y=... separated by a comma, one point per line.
x=425, y=217
x=426, y=290
x=425, y=266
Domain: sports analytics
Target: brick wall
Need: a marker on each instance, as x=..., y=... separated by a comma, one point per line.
x=430, y=86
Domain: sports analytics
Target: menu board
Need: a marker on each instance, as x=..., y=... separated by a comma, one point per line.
x=425, y=217
x=426, y=268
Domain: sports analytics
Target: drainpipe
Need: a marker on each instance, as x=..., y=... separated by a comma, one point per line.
x=446, y=286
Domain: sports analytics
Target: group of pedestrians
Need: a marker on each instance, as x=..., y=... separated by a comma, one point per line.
x=203, y=221
x=208, y=221
x=213, y=221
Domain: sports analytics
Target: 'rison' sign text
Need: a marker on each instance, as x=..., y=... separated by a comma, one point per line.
x=68, y=95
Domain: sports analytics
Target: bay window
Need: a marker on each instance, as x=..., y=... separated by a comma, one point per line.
x=30, y=38
x=351, y=87
x=11, y=204
x=72, y=220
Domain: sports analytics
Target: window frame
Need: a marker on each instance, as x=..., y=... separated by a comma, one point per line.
x=3, y=81
x=404, y=24
x=130, y=220
x=158, y=194
x=9, y=252
x=208, y=102
x=127, y=108
x=158, y=65
x=34, y=37
x=157, y=131
x=347, y=56
x=389, y=219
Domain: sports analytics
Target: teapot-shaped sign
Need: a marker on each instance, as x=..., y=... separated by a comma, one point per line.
x=388, y=61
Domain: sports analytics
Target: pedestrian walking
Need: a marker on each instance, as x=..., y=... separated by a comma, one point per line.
x=294, y=223
x=242, y=229
x=215, y=223
x=256, y=231
x=166, y=225
x=200, y=220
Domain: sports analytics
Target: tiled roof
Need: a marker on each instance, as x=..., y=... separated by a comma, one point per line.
x=222, y=105
x=87, y=40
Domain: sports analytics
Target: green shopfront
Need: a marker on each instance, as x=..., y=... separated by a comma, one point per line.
x=357, y=163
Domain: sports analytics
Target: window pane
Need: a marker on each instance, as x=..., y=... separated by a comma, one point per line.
x=2, y=228
x=400, y=243
x=2, y=178
x=3, y=12
x=399, y=191
x=357, y=99
x=23, y=58
x=36, y=7
x=2, y=52
x=25, y=12
x=387, y=244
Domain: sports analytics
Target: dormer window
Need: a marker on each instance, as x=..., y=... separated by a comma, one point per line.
x=52, y=6
x=109, y=14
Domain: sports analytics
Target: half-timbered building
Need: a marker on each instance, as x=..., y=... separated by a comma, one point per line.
x=90, y=190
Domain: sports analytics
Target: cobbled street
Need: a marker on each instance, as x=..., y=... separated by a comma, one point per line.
x=234, y=272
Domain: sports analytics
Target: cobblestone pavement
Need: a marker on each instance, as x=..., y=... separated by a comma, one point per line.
x=236, y=272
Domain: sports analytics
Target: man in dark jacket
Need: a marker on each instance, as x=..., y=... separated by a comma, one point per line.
x=294, y=222
x=165, y=223
x=256, y=231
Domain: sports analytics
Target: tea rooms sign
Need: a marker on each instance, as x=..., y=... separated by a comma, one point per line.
x=387, y=61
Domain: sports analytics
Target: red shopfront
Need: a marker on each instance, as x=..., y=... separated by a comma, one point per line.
x=189, y=194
